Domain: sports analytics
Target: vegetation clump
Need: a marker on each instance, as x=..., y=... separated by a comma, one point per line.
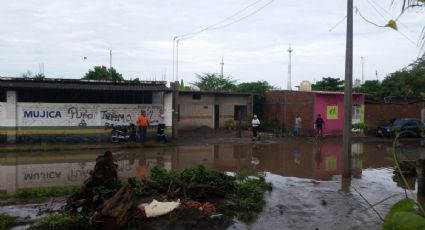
x=238, y=196
x=7, y=221
x=209, y=199
x=60, y=221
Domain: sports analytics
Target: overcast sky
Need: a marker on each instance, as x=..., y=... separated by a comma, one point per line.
x=140, y=32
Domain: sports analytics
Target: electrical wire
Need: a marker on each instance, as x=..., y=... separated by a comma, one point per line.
x=405, y=36
x=246, y=16
x=421, y=37
x=373, y=3
x=214, y=26
x=337, y=24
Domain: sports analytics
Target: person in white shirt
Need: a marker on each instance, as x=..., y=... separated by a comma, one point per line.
x=255, y=123
x=160, y=135
x=297, y=126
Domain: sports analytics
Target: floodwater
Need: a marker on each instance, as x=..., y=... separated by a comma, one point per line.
x=308, y=193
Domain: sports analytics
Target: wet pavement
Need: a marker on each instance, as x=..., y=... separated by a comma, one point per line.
x=308, y=193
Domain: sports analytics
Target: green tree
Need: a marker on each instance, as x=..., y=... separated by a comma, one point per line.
x=372, y=89
x=259, y=90
x=104, y=74
x=329, y=84
x=215, y=82
x=182, y=87
x=27, y=74
x=408, y=82
x=39, y=76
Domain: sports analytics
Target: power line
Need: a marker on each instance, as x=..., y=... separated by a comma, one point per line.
x=389, y=14
x=240, y=19
x=211, y=27
x=337, y=24
x=404, y=35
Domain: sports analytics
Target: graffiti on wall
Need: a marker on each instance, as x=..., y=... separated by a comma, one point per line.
x=61, y=114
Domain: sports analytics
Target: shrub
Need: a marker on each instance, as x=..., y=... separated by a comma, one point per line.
x=360, y=126
x=230, y=124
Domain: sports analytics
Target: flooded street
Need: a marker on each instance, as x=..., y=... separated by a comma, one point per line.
x=308, y=191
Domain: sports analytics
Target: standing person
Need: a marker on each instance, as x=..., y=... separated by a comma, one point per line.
x=297, y=126
x=143, y=123
x=319, y=125
x=255, y=123
x=161, y=127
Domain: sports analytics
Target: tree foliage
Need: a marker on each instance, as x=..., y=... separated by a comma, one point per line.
x=215, y=82
x=259, y=89
x=406, y=83
x=329, y=84
x=372, y=90
x=104, y=74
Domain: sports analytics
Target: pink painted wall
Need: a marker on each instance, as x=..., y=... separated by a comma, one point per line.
x=322, y=101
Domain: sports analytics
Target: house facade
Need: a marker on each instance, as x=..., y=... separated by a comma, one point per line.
x=284, y=105
x=212, y=109
x=34, y=110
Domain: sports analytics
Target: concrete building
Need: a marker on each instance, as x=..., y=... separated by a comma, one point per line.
x=212, y=109
x=283, y=105
x=75, y=110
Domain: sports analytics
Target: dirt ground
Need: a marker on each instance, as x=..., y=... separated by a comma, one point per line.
x=200, y=136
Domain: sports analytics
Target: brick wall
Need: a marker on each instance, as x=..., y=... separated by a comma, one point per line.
x=284, y=105
x=377, y=114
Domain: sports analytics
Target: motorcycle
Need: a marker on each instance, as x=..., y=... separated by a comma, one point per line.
x=120, y=134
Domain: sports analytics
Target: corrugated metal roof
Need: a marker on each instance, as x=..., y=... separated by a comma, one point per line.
x=216, y=93
x=74, y=84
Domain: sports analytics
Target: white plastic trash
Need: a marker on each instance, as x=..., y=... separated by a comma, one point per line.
x=156, y=208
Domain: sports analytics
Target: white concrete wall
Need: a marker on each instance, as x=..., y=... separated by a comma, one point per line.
x=10, y=110
x=82, y=114
x=168, y=109
x=2, y=113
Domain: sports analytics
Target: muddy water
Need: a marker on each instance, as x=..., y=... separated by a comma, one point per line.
x=308, y=193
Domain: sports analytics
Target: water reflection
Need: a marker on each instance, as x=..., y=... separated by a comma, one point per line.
x=320, y=161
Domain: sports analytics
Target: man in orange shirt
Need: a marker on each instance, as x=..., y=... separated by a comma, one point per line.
x=143, y=123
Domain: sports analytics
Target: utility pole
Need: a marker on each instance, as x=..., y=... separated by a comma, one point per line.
x=110, y=63
x=174, y=56
x=289, y=87
x=222, y=64
x=346, y=137
x=362, y=69
x=177, y=61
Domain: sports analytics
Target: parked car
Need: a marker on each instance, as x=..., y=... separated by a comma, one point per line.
x=412, y=125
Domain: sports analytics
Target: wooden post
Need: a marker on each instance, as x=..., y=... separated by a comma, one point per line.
x=239, y=123
x=420, y=170
x=175, y=113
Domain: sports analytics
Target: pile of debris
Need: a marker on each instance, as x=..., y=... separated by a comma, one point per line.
x=195, y=198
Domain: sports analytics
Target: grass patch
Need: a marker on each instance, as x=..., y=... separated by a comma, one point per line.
x=40, y=192
x=58, y=221
x=7, y=221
